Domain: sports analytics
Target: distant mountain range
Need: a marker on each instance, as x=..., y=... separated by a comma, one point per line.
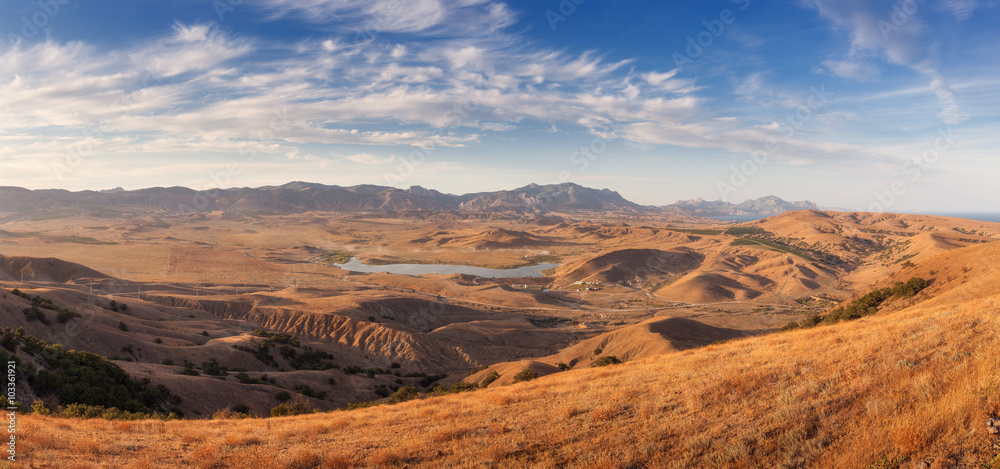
x=296, y=197
x=769, y=205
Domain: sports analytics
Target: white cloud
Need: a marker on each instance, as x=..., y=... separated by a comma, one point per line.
x=873, y=27
x=371, y=17
x=962, y=9
x=852, y=69
x=751, y=86
x=369, y=159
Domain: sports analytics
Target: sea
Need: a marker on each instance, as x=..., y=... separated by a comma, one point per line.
x=978, y=216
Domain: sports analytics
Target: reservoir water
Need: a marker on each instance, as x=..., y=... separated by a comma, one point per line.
x=354, y=265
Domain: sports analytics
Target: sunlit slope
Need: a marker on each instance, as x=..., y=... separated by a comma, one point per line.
x=915, y=384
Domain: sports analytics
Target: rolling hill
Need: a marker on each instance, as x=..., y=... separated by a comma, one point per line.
x=910, y=386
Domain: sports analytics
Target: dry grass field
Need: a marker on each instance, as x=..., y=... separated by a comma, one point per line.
x=910, y=386
x=692, y=310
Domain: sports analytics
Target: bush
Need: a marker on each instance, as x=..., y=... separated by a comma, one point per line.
x=404, y=394
x=427, y=381
x=226, y=414
x=213, y=368
x=605, y=361
x=65, y=316
x=462, y=386
x=4, y=404
x=84, y=378
x=489, y=379
x=241, y=409
x=525, y=375
x=563, y=366
x=305, y=390
x=34, y=314
x=283, y=396
x=300, y=405
x=122, y=326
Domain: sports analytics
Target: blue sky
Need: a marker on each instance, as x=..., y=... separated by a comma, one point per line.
x=877, y=105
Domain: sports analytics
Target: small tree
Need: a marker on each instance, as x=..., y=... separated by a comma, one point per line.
x=489, y=379
x=525, y=375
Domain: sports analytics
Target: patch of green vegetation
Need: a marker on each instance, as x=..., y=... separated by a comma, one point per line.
x=548, y=321
x=33, y=313
x=525, y=375
x=489, y=379
x=64, y=239
x=80, y=240
x=605, y=361
x=456, y=388
x=337, y=257
x=299, y=406
x=403, y=394
x=84, y=378
x=697, y=231
x=771, y=245
x=747, y=231
x=867, y=305
x=307, y=391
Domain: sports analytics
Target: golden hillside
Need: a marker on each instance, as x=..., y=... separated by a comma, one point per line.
x=909, y=385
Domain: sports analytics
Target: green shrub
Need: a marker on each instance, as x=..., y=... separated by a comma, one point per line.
x=75, y=377
x=122, y=326
x=563, y=366
x=427, y=381
x=462, y=386
x=306, y=390
x=489, y=379
x=404, y=394
x=525, y=375
x=790, y=326
x=605, y=361
x=241, y=409
x=213, y=368
x=300, y=405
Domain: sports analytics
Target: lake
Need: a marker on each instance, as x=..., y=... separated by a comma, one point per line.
x=354, y=265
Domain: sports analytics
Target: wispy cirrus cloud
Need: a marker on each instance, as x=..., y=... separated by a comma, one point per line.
x=370, y=17
x=899, y=36
x=962, y=9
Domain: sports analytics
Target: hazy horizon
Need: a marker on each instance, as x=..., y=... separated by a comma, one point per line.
x=857, y=105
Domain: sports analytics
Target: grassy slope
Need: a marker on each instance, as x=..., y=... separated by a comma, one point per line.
x=917, y=383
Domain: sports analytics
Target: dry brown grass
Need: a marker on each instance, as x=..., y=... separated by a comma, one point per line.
x=915, y=384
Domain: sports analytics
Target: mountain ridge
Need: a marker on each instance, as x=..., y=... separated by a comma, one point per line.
x=299, y=196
